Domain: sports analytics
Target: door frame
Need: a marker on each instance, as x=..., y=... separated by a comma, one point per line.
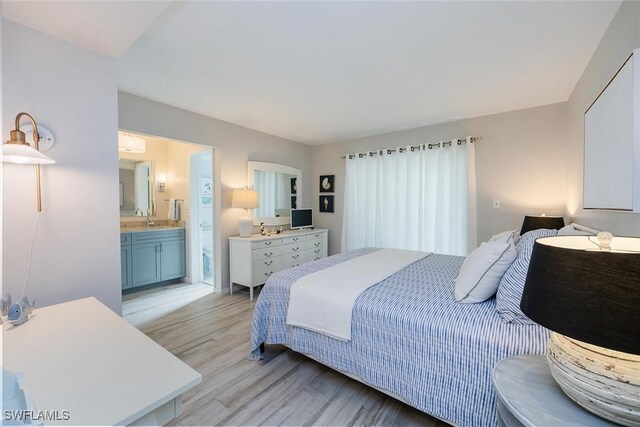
x=196, y=266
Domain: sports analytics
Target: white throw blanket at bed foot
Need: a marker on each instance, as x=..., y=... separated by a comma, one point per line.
x=323, y=301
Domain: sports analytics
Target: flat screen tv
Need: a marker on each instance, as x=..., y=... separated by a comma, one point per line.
x=301, y=218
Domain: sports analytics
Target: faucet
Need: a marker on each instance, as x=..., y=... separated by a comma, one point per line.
x=136, y=212
x=150, y=222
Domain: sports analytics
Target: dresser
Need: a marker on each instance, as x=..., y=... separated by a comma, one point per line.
x=254, y=259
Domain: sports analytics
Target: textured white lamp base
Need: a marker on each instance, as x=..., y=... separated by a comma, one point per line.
x=245, y=224
x=605, y=382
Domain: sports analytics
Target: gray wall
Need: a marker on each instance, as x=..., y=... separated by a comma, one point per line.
x=620, y=39
x=235, y=145
x=521, y=161
x=72, y=92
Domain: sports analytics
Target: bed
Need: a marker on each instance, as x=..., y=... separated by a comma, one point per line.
x=409, y=338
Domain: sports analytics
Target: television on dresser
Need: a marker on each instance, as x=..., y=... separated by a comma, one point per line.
x=301, y=218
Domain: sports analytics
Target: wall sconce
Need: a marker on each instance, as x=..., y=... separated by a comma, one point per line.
x=162, y=181
x=17, y=150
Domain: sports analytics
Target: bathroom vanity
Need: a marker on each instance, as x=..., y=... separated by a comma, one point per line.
x=151, y=255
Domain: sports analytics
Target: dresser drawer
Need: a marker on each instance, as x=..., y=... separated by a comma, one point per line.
x=291, y=264
x=262, y=275
x=294, y=248
x=260, y=264
x=293, y=240
x=319, y=235
x=266, y=243
x=262, y=253
x=315, y=243
x=315, y=254
x=293, y=257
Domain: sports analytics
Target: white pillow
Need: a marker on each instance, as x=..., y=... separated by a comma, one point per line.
x=514, y=235
x=482, y=271
x=576, y=230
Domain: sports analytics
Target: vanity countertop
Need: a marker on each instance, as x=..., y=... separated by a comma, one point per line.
x=152, y=228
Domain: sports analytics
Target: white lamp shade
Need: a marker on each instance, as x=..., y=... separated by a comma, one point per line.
x=244, y=199
x=131, y=144
x=24, y=154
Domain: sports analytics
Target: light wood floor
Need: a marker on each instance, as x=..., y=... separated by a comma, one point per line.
x=211, y=334
x=142, y=307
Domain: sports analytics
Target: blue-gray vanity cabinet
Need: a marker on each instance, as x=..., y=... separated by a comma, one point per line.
x=125, y=261
x=172, y=259
x=146, y=263
x=152, y=257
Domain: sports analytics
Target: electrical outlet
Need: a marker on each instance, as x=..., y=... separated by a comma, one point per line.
x=496, y=204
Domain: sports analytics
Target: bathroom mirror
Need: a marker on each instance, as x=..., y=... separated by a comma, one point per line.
x=279, y=189
x=137, y=188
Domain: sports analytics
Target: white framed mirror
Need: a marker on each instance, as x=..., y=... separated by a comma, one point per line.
x=137, y=187
x=279, y=189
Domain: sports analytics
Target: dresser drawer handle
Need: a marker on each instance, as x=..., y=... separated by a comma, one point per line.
x=317, y=258
x=295, y=239
x=268, y=243
x=296, y=248
x=296, y=256
x=317, y=244
x=268, y=262
x=317, y=235
x=268, y=274
x=268, y=254
x=317, y=251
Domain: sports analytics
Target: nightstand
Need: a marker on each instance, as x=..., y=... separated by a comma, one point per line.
x=529, y=396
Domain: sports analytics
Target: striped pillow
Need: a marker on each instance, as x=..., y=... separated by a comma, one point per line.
x=512, y=283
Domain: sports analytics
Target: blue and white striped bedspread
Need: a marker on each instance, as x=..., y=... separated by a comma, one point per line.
x=409, y=337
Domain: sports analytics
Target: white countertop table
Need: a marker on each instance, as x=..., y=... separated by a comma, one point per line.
x=83, y=358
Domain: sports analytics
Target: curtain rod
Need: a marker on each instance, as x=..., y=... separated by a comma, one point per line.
x=415, y=147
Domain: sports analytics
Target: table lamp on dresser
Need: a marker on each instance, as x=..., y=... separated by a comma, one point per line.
x=245, y=199
x=586, y=290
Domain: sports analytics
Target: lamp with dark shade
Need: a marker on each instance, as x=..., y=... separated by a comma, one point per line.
x=536, y=222
x=587, y=292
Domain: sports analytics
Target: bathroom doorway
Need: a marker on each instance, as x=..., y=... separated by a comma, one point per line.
x=201, y=185
x=168, y=230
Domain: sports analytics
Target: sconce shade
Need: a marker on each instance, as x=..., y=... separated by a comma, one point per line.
x=537, y=222
x=24, y=154
x=131, y=144
x=579, y=291
x=245, y=199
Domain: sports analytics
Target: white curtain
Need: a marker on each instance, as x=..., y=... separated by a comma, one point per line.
x=421, y=199
x=273, y=193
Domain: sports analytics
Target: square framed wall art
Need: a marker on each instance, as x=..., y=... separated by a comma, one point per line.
x=326, y=183
x=326, y=204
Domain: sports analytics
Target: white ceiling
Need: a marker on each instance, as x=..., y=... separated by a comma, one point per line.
x=317, y=72
x=106, y=27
